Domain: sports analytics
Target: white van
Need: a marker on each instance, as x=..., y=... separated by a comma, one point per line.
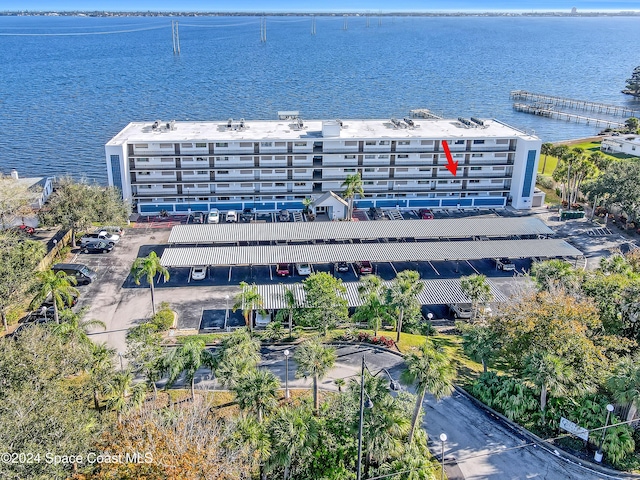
x=214, y=216
x=263, y=318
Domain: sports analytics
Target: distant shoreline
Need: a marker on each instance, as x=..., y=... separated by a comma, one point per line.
x=576, y=141
x=84, y=13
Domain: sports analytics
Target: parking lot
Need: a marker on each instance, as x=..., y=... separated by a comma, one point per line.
x=120, y=303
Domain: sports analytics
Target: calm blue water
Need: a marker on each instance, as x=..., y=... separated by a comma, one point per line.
x=62, y=97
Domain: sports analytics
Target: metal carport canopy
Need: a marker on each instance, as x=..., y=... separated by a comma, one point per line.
x=308, y=231
x=374, y=252
x=435, y=292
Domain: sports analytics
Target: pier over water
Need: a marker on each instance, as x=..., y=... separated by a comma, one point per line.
x=573, y=103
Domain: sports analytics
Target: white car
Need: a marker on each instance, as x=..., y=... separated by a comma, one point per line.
x=101, y=235
x=232, y=216
x=214, y=216
x=198, y=273
x=303, y=269
x=263, y=318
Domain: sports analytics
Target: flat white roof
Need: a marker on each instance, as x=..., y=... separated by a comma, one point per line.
x=308, y=231
x=374, y=252
x=435, y=292
x=312, y=130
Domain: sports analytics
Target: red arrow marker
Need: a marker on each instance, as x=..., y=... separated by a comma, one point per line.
x=451, y=165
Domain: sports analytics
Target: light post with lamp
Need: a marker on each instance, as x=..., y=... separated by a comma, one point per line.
x=120, y=355
x=443, y=438
x=286, y=373
x=430, y=316
x=598, y=456
x=394, y=385
x=226, y=312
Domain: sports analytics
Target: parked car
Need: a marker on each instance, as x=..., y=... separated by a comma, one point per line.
x=113, y=229
x=364, y=267
x=198, y=273
x=232, y=216
x=303, y=269
x=282, y=270
x=84, y=275
x=505, y=264
x=425, y=214
x=263, y=318
x=247, y=214
x=22, y=230
x=198, y=217
x=284, y=216
x=214, y=216
x=100, y=246
x=48, y=302
x=101, y=235
x=460, y=310
x=341, y=267
x=375, y=213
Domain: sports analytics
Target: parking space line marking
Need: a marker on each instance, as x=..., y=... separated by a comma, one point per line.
x=394, y=267
x=354, y=270
x=271, y=272
x=230, y=268
x=474, y=268
x=434, y=268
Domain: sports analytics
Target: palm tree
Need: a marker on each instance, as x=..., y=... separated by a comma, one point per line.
x=478, y=342
x=238, y=355
x=548, y=373
x=188, y=358
x=352, y=186
x=248, y=300
x=624, y=383
x=74, y=327
x=402, y=294
x=429, y=370
x=546, y=149
x=100, y=368
x=149, y=267
x=250, y=438
x=59, y=286
x=374, y=308
x=477, y=289
x=314, y=360
x=294, y=436
x=257, y=392
x=121, y=394
x=339, y=383
x=291, y=306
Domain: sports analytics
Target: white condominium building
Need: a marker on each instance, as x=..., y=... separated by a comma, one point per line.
x=275, y=164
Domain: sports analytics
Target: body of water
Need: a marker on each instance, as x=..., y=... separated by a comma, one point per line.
x=69, y=84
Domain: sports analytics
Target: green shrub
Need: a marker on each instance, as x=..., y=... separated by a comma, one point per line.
x=546, y=182
x=163, y=319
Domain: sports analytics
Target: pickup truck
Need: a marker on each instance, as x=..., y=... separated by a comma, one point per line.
x=505, y=264
x=102, y=235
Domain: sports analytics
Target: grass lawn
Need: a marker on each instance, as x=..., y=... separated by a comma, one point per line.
x=551, y=198
x=550, y=166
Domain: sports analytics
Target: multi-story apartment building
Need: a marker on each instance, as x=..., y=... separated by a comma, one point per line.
x=270, y=165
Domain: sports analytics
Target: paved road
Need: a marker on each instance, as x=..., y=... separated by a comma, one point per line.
x=486, y=449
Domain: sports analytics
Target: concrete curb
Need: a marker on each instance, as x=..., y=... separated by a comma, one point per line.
x=614, y=474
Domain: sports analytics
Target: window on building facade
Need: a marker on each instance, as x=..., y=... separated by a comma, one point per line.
x=280, y=171
x=141, y=145
x=201, y=145
x=349, y=157
x=478, y=142
x=383, y=142
x=279, y=184
x=403, y=156
x=477, y=155
x=350, y=143
x=223, y=185
x=426, y=142
x=280, y=157
x=266, y=144
x=369, y=169
x=281, y=144
x=369, y=157
x=222, y=144
x=166, y=160
x=459, y=142
x=404, y=142
x=202, y=172
x=168, y=174
x=349, y=170
x=299, y=157
x=370, y=142
x=186, y=145
x=474, y=181
x=168, y=186
x=246, y=172
x=266, y=157
x=166, y=145
x=384, y=157
x=246, y=144
x=300, y=144
x=300, y=184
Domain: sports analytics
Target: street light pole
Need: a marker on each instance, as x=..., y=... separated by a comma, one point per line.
x=359, y=470
x=120, y=355
x=598, y=456
x=443, y=438
x=286, y=374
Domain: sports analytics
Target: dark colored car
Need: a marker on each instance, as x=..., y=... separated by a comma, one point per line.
x=341, y=267
x=282, y=270
x=284, y=216
x=364, y=267
x=425, y=214
x=247, y=214
x=198, y=217
x=97, y=247
x=375, y=213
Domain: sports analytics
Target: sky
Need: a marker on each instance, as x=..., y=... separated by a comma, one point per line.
x=320, y=6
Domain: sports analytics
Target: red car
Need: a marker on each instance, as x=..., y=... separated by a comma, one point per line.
x=23, y=230
x=282, y=270
x=426, y=214
x=364, y=268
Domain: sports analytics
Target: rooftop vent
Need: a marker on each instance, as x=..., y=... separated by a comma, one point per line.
x=478, y=121
x=465, y=121
x=397, y=123
x=160, y=126
x=298, y=124
x=409, y=122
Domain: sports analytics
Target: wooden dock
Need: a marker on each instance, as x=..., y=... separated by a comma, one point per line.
x=547, y=110
x=573, y=103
